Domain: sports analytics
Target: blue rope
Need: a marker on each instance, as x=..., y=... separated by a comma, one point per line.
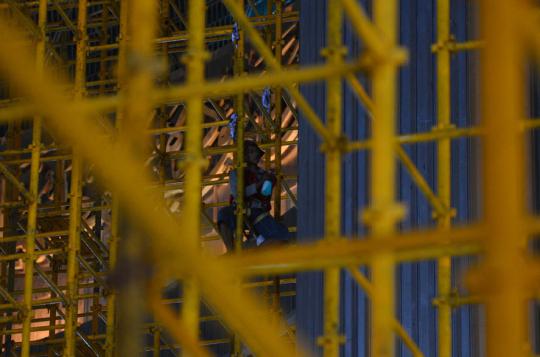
x=267, y=99
x=235, y=36
x=232, y=125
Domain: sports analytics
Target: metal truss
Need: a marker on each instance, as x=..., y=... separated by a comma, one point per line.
x=160, y=151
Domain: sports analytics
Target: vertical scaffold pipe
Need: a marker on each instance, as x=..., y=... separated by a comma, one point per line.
x=10, y=224
x=443, y=174
x=110, y=334
x=503, y=107
x=156, y=350
x=195, y=75
x=33, y=189
x=75, y=195
x=334, y=53
x=384, y=212
x=138, y=76
x=73, y=251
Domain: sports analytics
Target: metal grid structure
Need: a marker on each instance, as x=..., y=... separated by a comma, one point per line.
x=99, y=225
x=102, y=129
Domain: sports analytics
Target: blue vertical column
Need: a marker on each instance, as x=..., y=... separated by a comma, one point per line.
x=534, y=112
x=356, y=125
x=465, y=198
x=417, y=113
x=311, y=172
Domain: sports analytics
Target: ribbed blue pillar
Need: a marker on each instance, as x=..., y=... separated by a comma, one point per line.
x=311, y=175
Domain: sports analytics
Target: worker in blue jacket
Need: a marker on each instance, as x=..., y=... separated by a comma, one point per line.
x=258, y=187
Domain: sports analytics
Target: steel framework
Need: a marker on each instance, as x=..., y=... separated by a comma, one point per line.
x=58, y=258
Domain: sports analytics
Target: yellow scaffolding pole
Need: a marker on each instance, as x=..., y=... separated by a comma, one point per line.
x=209, y=89
x=112, y=298
x=444, y=282
x=355, y=251
x=504, y=204
x=138, y=76
x=76, y=192
x=400, y=331
x=33, y=190
x=73, y=264
x=164, y=25
x=111, y=323
x=384, y=211
x=195, y=162
x=8, y=267
x=334, y=53
x=110, y=337
x=366, y=29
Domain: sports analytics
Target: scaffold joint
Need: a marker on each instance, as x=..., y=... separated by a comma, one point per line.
x=22, y=313
x=390, y=213
x=190, y=159
x=192, y=56
x=450, y=299
x=448, y=212
x=331, y=339
x=332, y=51
x=448, y=44
x=339, y=144
x=278, y=42
x=396, y=56
x=443, y=128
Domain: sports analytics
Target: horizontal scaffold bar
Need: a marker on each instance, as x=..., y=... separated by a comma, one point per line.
x=355, y=251
x=210, y=89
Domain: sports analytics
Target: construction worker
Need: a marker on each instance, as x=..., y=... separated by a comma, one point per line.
x=258, y=188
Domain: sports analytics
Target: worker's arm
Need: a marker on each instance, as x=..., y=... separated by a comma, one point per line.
x=266, y=186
